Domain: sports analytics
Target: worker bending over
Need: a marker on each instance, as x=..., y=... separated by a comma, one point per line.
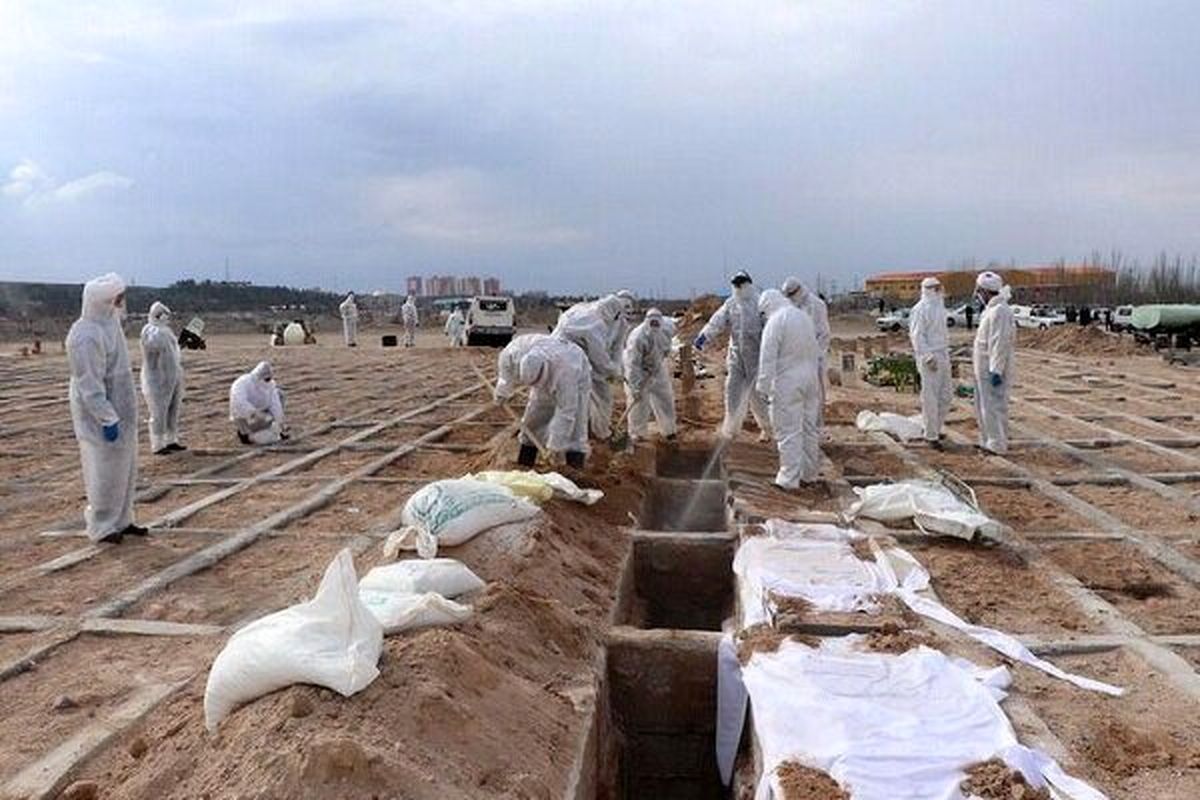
x=930, y=344
x=648, y=381
x=162, y=380
x=787, y=375
x=256, y=407
x=349, y=311
x=805, y=299
x=740, y=317
x=410, y=319
x=104, y=410
x=594, y=328
x=559, y=379
x=994, y=361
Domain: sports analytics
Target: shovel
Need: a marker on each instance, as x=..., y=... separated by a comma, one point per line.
x=513, y=414
x=619, y=441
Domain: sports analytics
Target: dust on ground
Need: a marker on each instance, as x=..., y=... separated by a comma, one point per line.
x=1076, y=340
x=799, y=782
x=994, y=780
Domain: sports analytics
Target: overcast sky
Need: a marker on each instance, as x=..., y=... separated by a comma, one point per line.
x=584, y=146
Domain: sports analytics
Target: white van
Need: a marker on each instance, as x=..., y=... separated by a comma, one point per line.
x=491, y=321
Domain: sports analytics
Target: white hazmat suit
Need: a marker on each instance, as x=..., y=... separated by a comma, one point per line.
x=104, y=408
x=410, y=319
x=648, y=380
x=349, y=312
x=559, y=377
x=594, y=328
x=162, y=379
x=740, y=317
x=456, y=328
x=994, y=363
x=787, y=374
x=931, y=349
x=256, y=406
x=803, y=298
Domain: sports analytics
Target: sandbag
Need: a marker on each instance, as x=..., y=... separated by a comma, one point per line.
x=444, y=576
x=400, y=611
x=331, y=641
x=448, y=513
x=540, y=487
x=901, y=427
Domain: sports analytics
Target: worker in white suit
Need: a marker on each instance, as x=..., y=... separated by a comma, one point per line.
x=931, y=349
x=456, y=328
x=410, y=319
x=804, y=298
x=994, y=361
x=740, y=317
x=104, y=410
x=162, y=380
x=594, y=328
x=787, y=376
x=559, y=378
x=349, y=312
x=648, y=384
x=256, y=406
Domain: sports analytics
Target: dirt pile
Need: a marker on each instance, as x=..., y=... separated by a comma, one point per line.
x=894, y=639
x=696, y=315
x=1077, y=341
x=993, y=780
x=804, y=783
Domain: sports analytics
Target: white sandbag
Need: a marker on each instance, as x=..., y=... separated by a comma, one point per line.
x=884, y=726
x=445, y=576
x=331, y=641
x=399, y=611
x=932, y=507
x=448, y=513
x=901, y=427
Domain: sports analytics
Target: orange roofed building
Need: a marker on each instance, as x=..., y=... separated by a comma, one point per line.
x=1030, y=284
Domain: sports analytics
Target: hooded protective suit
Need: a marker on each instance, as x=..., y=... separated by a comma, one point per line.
x=102, y=397
x=349, y=311
x=648, y=385
x=456, y=328
x=739, y=315
x=162, y=377
x=410, y=320
x=994, y=363
x=787, y=374
x=256, y=405
x=930, y=344
x=594, y=327
x=818, y=312
x=559, y=378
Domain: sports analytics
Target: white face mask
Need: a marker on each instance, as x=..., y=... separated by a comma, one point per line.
x=743, y=291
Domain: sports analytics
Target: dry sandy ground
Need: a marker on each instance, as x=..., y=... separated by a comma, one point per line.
x=489, y=708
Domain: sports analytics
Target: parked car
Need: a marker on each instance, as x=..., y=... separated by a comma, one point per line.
x=1038, y=318
x=894, y=320
x=491, y=321
x=958, y=316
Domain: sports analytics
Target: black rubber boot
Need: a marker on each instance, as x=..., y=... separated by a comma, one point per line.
x=135, y=530
x=243, y=438
x=527, y=456
x=112, y=538
x=575, y=459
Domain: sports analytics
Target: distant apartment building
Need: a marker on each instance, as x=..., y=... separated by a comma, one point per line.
x=452, y=286
x=441, y=286
x=491, y=286
x=415, y=285
x=470, y=286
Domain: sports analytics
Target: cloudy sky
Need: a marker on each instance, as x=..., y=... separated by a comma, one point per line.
x=581, y=146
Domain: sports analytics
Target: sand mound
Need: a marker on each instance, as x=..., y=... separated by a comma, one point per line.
x=804, y=783
x=696, y=315
x=1077, y=341
x=993, y=780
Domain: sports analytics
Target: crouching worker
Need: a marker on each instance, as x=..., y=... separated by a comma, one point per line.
x=559, y=380
x=648, y=387
x=256, y=407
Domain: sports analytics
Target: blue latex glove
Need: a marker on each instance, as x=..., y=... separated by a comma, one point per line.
x=700, y=340
x=112, y=432
x=997, y=378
